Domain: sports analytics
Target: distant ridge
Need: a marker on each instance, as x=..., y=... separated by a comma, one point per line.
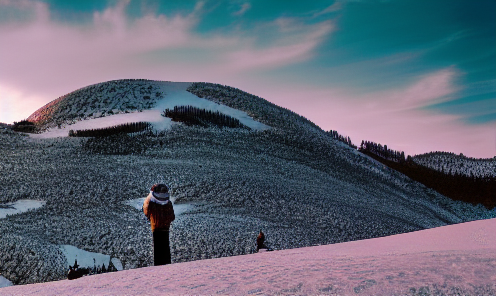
x=458, y=164
x=457, y=177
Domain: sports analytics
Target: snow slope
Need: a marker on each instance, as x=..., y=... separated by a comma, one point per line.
x=175, y=94
x=88, y=259
x=19, y=206
x=457, y=259
x=4, y=282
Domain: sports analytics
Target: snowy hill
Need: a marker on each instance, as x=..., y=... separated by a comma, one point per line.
x=98, y=100
x=451, y=163
x=283, y=175
x=124, y=101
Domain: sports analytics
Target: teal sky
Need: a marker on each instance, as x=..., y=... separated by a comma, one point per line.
x=418, y=76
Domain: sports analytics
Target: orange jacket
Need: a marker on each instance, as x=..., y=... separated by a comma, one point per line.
x=160, y=216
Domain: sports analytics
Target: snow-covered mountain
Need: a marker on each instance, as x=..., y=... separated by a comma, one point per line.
x=451, y=163
x=283, y=175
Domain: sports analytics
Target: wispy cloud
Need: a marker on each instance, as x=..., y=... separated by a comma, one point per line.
x=244, y=8
x=295, y=44
x=48, y=58
x=336, y=6
x=395, y=117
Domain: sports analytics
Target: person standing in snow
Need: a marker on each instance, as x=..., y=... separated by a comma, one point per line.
x=159, y=210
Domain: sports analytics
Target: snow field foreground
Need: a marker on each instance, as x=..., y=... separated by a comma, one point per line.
x=458, y=259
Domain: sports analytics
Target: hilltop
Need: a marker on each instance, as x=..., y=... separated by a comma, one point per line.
x=452, y=163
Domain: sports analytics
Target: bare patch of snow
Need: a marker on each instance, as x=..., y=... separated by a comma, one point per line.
x=117, y=263
x=152, y=116
x=20, y=206
x=88, y=259
x=178, y=97
x=5, y=282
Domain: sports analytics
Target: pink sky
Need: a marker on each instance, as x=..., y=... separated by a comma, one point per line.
x=42, y=59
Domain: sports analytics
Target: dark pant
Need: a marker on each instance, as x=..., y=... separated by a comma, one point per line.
x=161, y=248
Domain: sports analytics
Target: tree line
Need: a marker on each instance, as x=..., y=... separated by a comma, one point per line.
x=382, y=151
x=475, y=190
x=24, y=126
x=195, y=116
x=258, y=108
x=127, y=128
x=335, y=135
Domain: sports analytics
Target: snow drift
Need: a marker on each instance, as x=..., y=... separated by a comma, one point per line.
x=457, y=259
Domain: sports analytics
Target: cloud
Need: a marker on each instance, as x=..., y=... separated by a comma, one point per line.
x=42, y=59
x=290, y=50
x=15, y=105
x=46, y=59
x=395, y=117
x=336, y=6
x=428, y=89
x=244, y=8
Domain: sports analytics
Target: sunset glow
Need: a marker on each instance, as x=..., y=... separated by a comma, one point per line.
x=419, y=76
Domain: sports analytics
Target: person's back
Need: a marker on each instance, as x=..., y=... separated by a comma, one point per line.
x=159, y=210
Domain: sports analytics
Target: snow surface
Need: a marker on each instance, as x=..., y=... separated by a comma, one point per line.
x=152, y=116
x=457, y=259
x=175, y=95
x=178, y=97
x=85, y=258
x=20, y=206
x=4, y=282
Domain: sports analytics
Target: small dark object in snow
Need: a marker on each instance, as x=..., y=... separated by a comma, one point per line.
x=74, y=272
x=260, y=240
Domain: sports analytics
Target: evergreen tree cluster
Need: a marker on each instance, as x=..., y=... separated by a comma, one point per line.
x=256, y=107
x=24, y=126
x=76, y=272
x=195, y=116
x=382, y=151
x=335, y=135
x=453, y=164
x=450, y=183
x=127, y=128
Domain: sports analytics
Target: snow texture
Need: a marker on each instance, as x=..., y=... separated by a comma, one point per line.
x=298, y=184
x=87, y=259
x=175, y=94
x=4, y=282
x=20, y=206
x=450, y=260
x=117, y=263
